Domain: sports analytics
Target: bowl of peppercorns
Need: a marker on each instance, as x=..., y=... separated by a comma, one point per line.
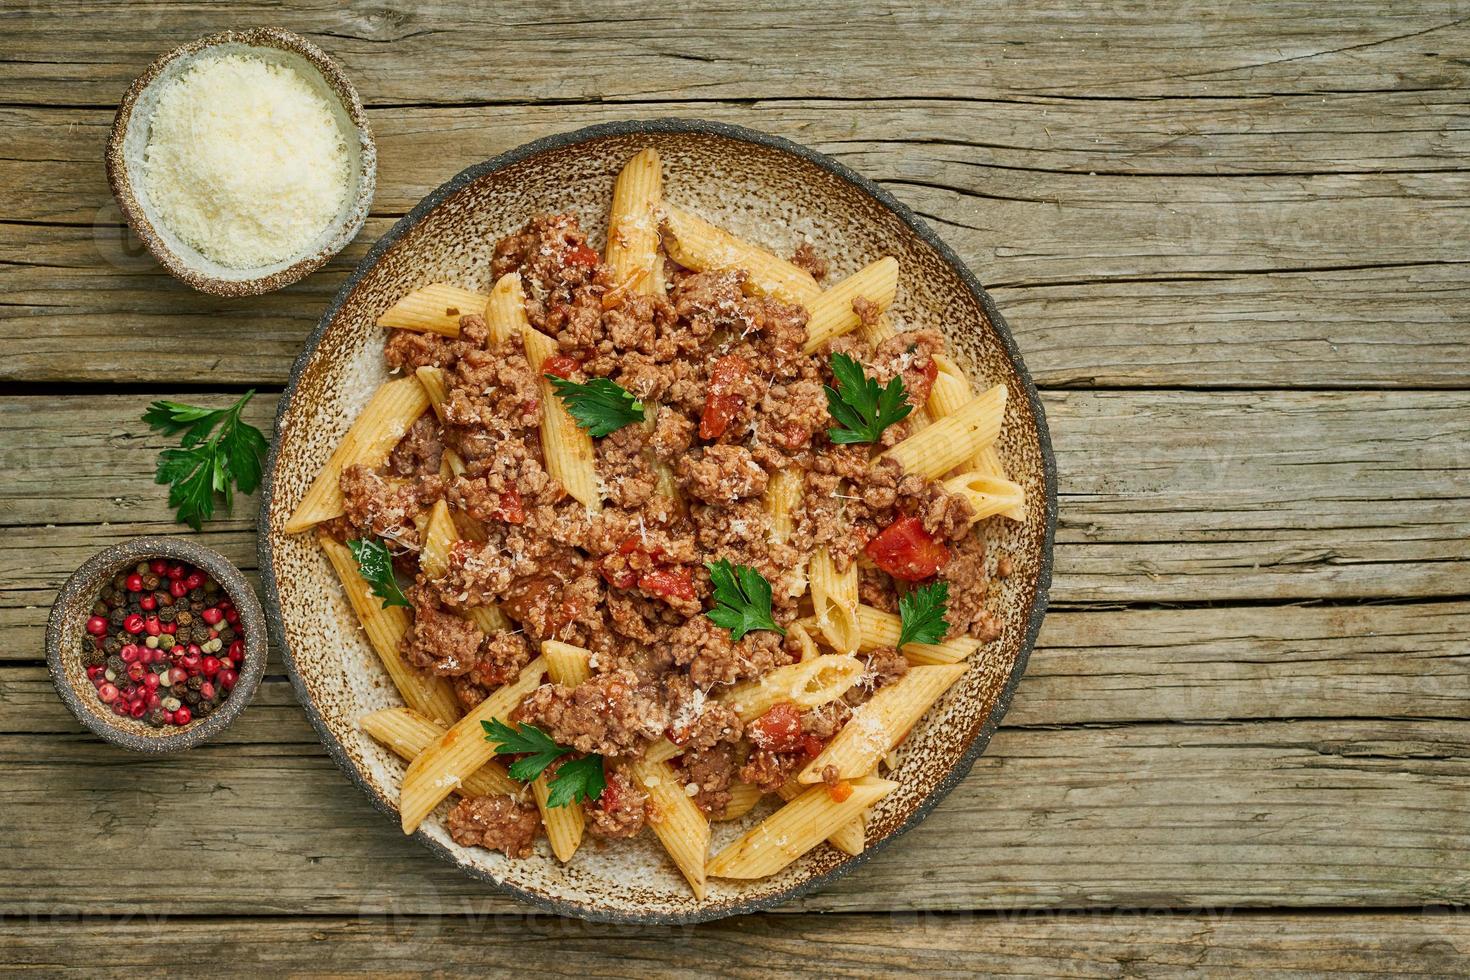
x=156, y=644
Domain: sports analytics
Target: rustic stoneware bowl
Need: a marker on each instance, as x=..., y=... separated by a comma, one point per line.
x=67, y=626
x=129, y=137
x=776, y=193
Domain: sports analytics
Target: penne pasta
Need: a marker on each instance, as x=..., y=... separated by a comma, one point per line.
x=695, y=243
x=461, y=750
x=882, y=629
x=795, y=829
x=567, y=447
x=678, y=822
x=743, y=798
x=394, y=407
x=804, y=640
x=987, y=494
x=408, y=733
x=435, y=308
x=438, y=538
x=850, y=838
x=781, y=498
x=437, y=388
x=879, y=725
x=832, y=314
x=632, y=226
x=935, y=450
x=428, y=695
x=950, y=392
x=806, y=683
x=567, y=664
x=835, y=600
x=564, y=824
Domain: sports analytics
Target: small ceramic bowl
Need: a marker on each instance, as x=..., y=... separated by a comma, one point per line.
x=67, y=626
x=129, y=138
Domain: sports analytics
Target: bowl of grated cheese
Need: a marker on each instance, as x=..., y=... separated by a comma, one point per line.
x=243, y=160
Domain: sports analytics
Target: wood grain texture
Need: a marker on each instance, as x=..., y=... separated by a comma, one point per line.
x=1335, y=813
x=619, y=50
x=1428, y=943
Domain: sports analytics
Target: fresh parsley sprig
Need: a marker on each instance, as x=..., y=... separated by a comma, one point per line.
x=862, y=408
x=217, y=454
x=375, y=565
x=600, y=406
x=742, y=597
x=922, y=612
x=575, y=780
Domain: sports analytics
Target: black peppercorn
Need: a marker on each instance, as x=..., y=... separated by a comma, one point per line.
x=116, y=616
x=196, y=595
x=155, y=717
x=92, y=657
x=178, y=690
x=150, y=582
x=199, y=634
x=195, y=682
x=191, y=698
x=113, y=644
x=184, y=617
x=116, y=665
x=227, y=636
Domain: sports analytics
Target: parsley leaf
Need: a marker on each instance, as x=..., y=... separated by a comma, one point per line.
x=743, y=599
x=218, y=453
x=922, y=612
x=375, y=566
x=575, y=781
x=600, y=406
x=860, y=406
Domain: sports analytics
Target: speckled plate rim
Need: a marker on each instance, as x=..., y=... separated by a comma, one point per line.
x=670, y=125
x=118, y=178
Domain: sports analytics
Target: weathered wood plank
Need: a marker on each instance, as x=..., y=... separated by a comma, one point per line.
x=1165, y=496
x=1220, y=944
x=1110, y=666
x=87, y=53
x=1092, y=191
x=1302, y=814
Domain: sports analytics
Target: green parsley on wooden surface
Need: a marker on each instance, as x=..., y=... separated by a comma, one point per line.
x=742, y=597
x=600, y=406
x=375, y=565
x=863, y=409
x=218, y=454
x=922, y=612
x=576, y=780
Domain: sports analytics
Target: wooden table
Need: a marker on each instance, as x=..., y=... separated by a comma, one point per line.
x=1231, y=240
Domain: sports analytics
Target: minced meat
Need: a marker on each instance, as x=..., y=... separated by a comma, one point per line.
x=497, y=822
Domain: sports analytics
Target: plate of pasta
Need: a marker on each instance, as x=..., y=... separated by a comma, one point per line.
x=658, y=521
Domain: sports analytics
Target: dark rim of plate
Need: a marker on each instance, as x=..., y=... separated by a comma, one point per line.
x=671, y=125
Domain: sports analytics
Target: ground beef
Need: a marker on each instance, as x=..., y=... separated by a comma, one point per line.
x=781, y=347
x=790, y=415
x=624, y=469
x=868, y=312
x=910, y=355
x=769, y=770
x=806, y=257
x=673, y=434
x=968, y=587
x=710, y=771
x=408, y=350
x=721, y=474
x=714, y=300
x=502, y=656
x=439, y=641
x=875, y=588
x=551, y=254
x=1003, y=566
x=697, y=721
x=611, y=714
x=386, y=508
x=825, y=720
x=622, y=810
x=420, y=450
x=714, y=659
x=883, y=666
x=497, y=822
x=468, y=693
x=492, y=392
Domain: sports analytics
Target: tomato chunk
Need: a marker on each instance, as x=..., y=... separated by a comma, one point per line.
x=669, y=583
x=906, y=551
x=839, y=791
x=511, y=509
x=779, y=729
x=581, y=255
x=722, y=402
x=561, y=365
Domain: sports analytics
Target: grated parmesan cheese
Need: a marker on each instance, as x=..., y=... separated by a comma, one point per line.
x=245, y=161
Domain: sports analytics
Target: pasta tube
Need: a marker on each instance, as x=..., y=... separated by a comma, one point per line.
x=850, y=838
x=806, y=683
x=795, y=829
x=933, y=451
x=435, y=308
x=835, y=600
x=831, y=312
x=882, y=629
x=385, y=627
x=743, y=798
x=408, y=733
x=879, y=725
x=632, y=227
x=461, y=750
x=693, y=242
x=394, y=407
x=678, y=822
x=950, y=392
x=987, y=494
